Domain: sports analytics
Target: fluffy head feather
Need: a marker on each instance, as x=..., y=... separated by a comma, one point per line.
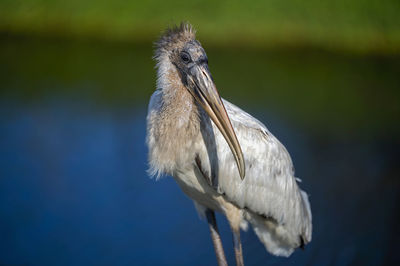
x=173, y=38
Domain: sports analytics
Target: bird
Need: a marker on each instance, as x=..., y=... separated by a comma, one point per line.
x=221, y=157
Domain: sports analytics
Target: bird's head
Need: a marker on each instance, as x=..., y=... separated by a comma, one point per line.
x=179, y=48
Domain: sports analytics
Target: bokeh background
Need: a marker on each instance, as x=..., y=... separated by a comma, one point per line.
x=75, y=80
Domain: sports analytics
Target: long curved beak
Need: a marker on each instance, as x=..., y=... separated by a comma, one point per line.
x=206, y=94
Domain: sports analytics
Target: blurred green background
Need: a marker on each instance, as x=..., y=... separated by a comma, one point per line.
x=75, y=80
x=350, y=50
x=358, y=25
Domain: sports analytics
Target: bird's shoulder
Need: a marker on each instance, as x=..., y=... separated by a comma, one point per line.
x=241, y=118
x=254, y=136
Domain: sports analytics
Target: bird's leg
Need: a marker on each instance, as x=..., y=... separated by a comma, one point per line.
x=238, y=246
x=216, y=239
x=234, y=216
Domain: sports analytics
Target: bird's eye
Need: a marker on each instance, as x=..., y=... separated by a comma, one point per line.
x=185, y=57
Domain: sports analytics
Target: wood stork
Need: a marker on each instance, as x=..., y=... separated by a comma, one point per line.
x=221, y=157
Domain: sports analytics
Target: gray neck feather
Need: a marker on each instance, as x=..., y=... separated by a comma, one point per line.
x=177, y=124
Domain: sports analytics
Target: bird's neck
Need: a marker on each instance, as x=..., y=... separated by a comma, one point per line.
x=177, y=124
x=178, y=104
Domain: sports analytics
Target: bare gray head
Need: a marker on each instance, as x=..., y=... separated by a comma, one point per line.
x=179, y=50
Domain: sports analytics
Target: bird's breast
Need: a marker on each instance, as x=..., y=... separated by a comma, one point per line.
x=172, y=127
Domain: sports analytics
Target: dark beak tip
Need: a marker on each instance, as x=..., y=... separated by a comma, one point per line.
x=242, y=174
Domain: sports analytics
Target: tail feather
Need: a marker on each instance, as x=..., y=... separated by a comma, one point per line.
x=275, y=237
x=307, y=234
x=278, y=239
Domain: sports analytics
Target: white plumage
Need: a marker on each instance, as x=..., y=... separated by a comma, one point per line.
x=185, y=143
x=269, y=190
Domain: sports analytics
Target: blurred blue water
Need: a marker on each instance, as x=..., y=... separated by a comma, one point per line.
x=74, y=191
x=73, y=182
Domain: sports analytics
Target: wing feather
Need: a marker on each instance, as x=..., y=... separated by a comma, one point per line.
x=269, y=188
